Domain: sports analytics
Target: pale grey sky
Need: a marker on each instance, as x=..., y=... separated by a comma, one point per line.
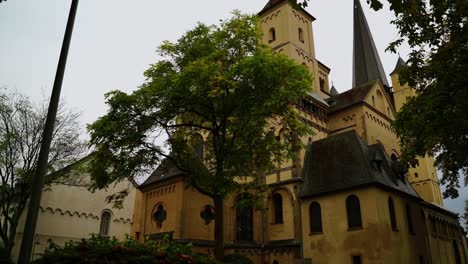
x=114, y=41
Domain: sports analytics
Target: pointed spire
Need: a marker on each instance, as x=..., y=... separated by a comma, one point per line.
x=333, y=91
x=400, y=65
x=366, y=62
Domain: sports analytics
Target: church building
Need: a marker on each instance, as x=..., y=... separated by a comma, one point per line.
x=346, y=199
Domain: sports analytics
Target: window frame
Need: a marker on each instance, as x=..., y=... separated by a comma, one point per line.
x=315, y=205
x=104, y=228
x=353, y=209
x=278, y=209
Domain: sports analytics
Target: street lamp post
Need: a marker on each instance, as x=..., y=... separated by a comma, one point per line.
x=38, y=182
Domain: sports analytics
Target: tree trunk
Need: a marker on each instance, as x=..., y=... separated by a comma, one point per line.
x=219, y=228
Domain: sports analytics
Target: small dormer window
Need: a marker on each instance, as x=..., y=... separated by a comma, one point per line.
x=272, y=35
x=301, y=35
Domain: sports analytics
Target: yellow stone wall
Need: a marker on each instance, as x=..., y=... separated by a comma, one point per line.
x=287, y=21
x=376, y=242
x=170, y=195
x=368, y=120
x=423, y=176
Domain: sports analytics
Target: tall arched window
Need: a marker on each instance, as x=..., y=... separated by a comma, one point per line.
x=272, y=35
x=244, y=223
x=278, y=208
x=301, y=35
x=105, y=223
x=391, y=211
x=315, y=218
x=409, y=218
x=353, y=210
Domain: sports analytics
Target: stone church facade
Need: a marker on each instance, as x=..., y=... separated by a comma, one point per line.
x=345, y=199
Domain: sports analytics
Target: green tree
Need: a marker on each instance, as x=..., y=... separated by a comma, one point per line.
x=21, y=125
x=436, y=121
x=216, y=81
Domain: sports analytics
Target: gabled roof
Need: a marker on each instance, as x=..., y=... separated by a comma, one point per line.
x=366, y=61
x=344, y=161
x=165, y=170
x=274, y=3
x=351, y=97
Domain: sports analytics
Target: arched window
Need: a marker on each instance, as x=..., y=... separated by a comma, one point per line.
x=105, y=223
x=315, y=218
x=353, y=209
x=244, y=223
x=391, y=210
x=301, y=35
x=272, y=35
x=159, y=214
x=409, y=220
x=373, y=101
x=278, y=208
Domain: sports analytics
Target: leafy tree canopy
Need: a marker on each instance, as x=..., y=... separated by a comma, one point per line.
x=216, y=89
x=436, y=121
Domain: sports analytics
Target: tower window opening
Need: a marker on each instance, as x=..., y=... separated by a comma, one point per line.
x=278, y=208
x=301, y=35
x=416, y=175
x=272, y=34
x=322, y=84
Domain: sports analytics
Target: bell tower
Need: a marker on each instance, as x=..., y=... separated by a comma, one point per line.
x=423, y=176
x=288, y=30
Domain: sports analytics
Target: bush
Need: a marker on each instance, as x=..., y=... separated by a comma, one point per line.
x=98, y=249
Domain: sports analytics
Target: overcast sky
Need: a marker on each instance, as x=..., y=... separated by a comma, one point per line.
x=114, y=41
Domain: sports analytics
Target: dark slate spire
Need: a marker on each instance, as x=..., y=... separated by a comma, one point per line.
x=366, y=62
x=333, y=91
x=400, y=65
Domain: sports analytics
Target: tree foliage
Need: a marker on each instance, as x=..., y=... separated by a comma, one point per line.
x=21, y=125
x=436, y=121
x=215, y=81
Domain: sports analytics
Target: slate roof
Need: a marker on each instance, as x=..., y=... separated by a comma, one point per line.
x=165, y=170
x=344, y=161
x=366, y=62
x=274, y=3
x=317, y=97
x=350, y=97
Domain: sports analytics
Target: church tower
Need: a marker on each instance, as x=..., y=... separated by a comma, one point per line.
x=288, y=30
x=423, y=176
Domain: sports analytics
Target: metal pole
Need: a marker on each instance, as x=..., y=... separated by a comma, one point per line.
x=38, y=182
